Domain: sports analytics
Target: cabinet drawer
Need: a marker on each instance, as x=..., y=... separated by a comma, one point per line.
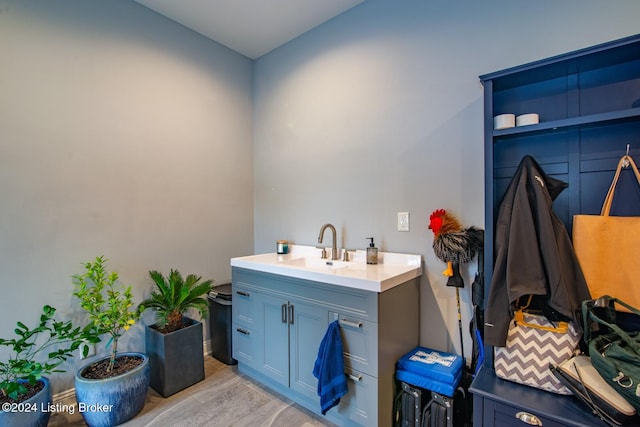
x=360, y=404
x=246, y=343
x=509, y=416
x=245, y=305
x=355, y=302
x=360, y=343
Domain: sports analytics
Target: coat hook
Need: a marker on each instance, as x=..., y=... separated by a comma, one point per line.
x=625, y=162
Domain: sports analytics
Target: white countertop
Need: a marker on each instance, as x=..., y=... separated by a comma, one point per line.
x=304, y=262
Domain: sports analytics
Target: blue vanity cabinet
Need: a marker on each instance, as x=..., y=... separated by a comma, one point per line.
x=279, y=322
x=588, y=102
x=277, y=335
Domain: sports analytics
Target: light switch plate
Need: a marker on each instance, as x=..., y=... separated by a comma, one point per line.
x=403, y=221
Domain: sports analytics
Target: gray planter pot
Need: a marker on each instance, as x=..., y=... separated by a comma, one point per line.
x=34, y=411
x=176, y=358
x=112, y=401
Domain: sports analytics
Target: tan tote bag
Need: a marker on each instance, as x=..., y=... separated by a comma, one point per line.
x=608, y=248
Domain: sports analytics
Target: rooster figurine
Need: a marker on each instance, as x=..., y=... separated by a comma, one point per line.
x=453, y=244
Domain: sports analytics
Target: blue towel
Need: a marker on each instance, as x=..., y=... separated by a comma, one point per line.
x=329, y=369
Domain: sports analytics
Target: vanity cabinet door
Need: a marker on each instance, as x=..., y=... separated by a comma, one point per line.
x=273, y=314
x=308, y=324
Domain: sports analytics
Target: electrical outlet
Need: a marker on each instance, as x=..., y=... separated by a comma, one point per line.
x=91, y=350
x=403, y=221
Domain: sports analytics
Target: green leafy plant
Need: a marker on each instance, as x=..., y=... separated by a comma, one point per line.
x=52, y=341
x=109, y=306
x=173, y=296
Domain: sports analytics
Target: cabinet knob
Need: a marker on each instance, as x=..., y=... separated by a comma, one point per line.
x=528, y=418
x=243, y=293
x=243, y=331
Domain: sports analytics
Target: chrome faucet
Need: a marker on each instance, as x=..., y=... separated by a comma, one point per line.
x=334, y=248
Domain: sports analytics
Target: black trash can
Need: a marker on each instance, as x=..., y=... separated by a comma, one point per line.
x=220, y=323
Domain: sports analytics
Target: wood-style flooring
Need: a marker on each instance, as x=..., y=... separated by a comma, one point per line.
x=224, y=398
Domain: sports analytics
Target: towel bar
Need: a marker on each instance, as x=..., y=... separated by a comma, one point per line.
x=355, y=378
x=350, y=323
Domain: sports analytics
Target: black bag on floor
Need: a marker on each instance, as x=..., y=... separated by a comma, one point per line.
x=417, y=407
x=435, y=415
x=408, y=406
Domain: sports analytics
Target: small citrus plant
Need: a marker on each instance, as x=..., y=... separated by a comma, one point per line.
x=109, y=306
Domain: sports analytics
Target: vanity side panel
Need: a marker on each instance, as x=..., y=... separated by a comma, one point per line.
x=399, y=333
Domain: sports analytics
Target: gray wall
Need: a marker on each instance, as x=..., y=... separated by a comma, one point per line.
x=123, y=134
x=380, y=110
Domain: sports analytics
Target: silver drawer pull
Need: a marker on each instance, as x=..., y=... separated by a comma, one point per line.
x=350, y=323
x=243, y=293
x=354, y=378
x=243, y=331
x=528, y=418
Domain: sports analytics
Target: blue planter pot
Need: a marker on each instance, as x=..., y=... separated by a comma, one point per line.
x=112, y=401
x=33, y=412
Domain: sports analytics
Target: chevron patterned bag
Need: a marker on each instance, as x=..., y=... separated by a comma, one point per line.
x=534, y=343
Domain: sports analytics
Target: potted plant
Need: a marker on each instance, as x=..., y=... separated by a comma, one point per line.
x=174, y=342
x=111, y=390
x=25, y=391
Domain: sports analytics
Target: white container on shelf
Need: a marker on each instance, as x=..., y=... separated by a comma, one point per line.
x=504, y=121
x=527, y=119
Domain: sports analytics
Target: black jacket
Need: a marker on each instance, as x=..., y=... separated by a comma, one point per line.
x=533, y=253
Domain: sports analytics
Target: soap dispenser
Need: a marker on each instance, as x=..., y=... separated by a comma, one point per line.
x=372, y=252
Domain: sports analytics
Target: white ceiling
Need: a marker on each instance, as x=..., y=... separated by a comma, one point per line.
x=251, y=27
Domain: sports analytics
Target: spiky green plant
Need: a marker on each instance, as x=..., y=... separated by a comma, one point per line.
x=173, y=296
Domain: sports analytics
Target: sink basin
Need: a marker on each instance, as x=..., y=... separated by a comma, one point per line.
x=316, y=263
